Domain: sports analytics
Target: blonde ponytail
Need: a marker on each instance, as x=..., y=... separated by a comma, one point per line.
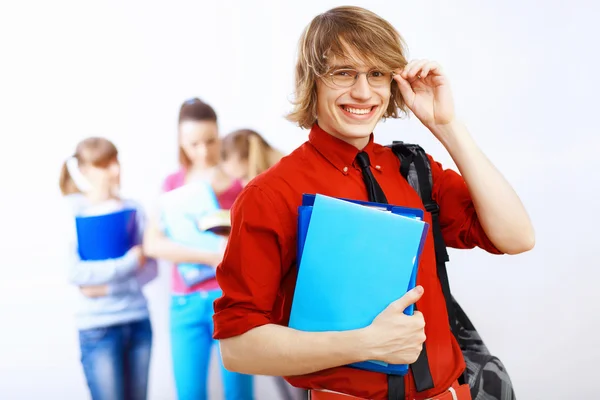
x=274, y=156
x=258, y=161
x=250, y=146
x=65, y=182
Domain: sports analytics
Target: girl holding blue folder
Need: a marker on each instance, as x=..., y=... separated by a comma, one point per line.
x=108, y=266
x=192, y=303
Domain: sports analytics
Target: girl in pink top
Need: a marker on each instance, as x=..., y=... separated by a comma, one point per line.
x=192, y=307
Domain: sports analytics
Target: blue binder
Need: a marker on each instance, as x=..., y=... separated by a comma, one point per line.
x=339, y=242
x=182, y=211
x=106, y=236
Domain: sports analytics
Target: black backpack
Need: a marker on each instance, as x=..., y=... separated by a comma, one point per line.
x=485, y=373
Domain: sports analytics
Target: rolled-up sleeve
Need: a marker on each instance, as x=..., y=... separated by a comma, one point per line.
x=458, y=218
x=256, y=258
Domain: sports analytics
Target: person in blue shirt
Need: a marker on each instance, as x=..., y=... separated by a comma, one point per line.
x=115, y=334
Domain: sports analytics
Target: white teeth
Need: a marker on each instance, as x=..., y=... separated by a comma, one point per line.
x=359, y=111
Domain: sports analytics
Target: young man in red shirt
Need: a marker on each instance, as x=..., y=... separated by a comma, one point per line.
x=351, y=73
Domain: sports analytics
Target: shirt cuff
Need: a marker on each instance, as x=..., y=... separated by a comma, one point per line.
x=236, y=321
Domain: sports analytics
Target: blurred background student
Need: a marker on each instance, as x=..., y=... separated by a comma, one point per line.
x=112, y=316
x=192, y=306
x=246, y=154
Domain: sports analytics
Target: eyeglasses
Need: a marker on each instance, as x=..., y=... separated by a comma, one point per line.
x=346, y=77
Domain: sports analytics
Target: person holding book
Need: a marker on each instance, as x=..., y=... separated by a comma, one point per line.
x=192, y=301
x=351, y=73
x=108, y=266
x=246, y=154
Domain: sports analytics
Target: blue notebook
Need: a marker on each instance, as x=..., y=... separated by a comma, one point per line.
x=336, y=239
x=308, y=200
x=106, y=236
x=182, y=212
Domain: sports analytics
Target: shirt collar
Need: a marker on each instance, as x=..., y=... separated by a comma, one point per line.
x=336, y=151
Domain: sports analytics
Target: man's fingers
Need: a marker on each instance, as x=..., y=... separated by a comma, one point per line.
x=411, y=297
x=408, y=67
x=405, y=89
x=420, y=69
x=414, y=69
x=430, y=67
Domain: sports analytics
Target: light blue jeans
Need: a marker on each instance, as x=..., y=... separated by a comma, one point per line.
x=191, y=348
x=116, y=360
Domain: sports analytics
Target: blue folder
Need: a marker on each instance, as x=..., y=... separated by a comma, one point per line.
x=340, y=243
x=182, y=210
x=106, y=236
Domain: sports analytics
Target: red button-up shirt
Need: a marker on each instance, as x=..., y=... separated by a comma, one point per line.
x=258, y=271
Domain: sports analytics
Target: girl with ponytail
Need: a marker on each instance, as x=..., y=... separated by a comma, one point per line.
x=246, y=154
x=115, y=335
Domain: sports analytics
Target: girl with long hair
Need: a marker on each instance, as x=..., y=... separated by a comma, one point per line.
x=192, y=303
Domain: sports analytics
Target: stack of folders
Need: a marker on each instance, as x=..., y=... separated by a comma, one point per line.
x=106, y=236
x=183, y=211
x=354, y=259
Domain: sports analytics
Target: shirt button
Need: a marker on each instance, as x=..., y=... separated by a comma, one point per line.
x=378, y=167
x=345, y=170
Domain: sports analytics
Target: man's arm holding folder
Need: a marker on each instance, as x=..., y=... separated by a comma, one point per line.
x=270, y=349
x=355, y=258
x=259, y=252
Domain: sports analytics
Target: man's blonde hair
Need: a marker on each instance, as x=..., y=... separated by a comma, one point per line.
x=330, y=35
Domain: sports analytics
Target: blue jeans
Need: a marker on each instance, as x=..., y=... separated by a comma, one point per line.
x=116, y=360
x=191, y=348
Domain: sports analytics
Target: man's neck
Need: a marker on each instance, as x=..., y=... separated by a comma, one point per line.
x=360, y=143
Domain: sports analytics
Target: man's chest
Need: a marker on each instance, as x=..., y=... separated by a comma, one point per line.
x=350, y=184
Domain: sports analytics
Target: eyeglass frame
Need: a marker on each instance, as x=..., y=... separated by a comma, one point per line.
x=329, y=76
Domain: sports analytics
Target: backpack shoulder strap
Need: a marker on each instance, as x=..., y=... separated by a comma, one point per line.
x=415, y=168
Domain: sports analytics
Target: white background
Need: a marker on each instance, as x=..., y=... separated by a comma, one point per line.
x=525, y=80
